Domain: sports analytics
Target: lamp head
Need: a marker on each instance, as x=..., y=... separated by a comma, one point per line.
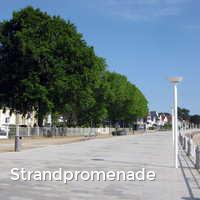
x=175, y=79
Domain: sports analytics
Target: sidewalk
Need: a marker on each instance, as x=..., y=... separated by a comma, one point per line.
x=151, y=151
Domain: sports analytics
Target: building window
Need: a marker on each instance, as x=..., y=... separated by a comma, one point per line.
x=7, y=120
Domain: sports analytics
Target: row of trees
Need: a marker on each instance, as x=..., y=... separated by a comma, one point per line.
x=46, y=66
x=184, y=114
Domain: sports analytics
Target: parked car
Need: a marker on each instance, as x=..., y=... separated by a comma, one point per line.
x=3, y=132
x=119, y=132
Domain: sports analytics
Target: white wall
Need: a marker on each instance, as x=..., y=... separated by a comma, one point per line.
x=7, y=119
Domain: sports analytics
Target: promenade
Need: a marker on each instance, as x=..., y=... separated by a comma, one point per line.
x=150, y=151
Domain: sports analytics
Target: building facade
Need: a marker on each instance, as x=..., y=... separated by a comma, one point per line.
x=6, y=118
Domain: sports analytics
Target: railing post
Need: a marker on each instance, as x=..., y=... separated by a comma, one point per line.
x=184, y=143
x=197, y=161
x=7, y=130
x=28, y=130
x=181, y=139
x=189, y=147
x=38, y=130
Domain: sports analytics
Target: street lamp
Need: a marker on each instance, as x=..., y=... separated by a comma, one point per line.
x=175, y=81
x=173, y=126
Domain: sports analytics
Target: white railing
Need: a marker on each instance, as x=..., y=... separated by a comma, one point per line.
x=10, y=131
x=58, y=131
x=190, y=146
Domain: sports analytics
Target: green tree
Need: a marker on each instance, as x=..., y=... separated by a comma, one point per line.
x=125, y=102
x=195, y=119
x=183, y=114
x=47, y=67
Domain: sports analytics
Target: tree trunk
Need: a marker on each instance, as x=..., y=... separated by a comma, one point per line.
x=40, y=119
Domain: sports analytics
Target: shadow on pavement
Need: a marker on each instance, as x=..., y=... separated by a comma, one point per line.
x=184, y=167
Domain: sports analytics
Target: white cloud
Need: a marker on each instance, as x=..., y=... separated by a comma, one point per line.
x=142, y=10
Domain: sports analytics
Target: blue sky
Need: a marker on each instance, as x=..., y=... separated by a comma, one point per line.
x=146, y=40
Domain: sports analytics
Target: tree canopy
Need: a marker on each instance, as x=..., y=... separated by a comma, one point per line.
x=46, y=66
x=124, y=100
x=183, y=114
x=195, y=119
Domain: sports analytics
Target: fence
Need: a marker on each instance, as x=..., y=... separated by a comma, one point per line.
x=57, y=131
x=191, y=147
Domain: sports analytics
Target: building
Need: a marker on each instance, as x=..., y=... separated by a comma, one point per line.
x=6, y=118
x=162, y=119
x=152, y=119
x=155, y=119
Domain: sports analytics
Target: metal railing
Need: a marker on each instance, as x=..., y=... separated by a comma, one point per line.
x=191, y=147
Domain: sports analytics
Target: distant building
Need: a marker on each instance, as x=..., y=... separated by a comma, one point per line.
x=152, y=119
x=155, y=119
x=164, y=118
x=6, y=118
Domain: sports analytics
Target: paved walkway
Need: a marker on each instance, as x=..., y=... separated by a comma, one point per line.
x=151, y=151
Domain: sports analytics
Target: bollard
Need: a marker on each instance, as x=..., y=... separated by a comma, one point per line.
x=181, y=139
x=18, y=143
x=189, y=147
x=184, y=143
x=197, y=161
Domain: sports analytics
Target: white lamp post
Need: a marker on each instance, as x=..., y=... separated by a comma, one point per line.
x=175, y=81
x=173, y=127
